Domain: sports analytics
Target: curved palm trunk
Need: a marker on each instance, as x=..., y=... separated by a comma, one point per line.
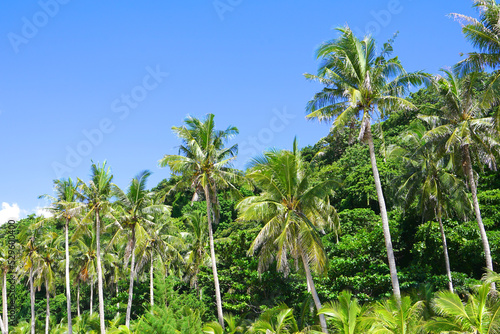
x=315, y=296
x=68, y=287
x=477, y=211
x=218, y=299
x=99, y=273
x=383, y=214
x=78, y=299
x=131, y=284
x=445, y=250
x=32, y=297
x=4, y=302
x=47, y=316
x=151, y=291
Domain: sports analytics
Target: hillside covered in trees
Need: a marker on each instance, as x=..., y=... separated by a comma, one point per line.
x=389, y=224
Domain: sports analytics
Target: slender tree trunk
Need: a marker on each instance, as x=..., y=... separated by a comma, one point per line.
x=47, y=316
x=315, y=296
x=445, y=250
x=91, y=297
x=477, y=211
x=99, y=273
x=131, y=284
x=218, y=299
x=151, y=291
x=4, y=302
x=78, y=299
x=2, y=328
x=383, y=214
x=118, y=301
x=68, y=286
x=32, y=297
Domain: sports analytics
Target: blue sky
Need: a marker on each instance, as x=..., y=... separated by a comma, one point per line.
x=102, y=80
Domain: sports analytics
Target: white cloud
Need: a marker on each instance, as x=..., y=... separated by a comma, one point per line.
x=9, y=212
x=39, y=211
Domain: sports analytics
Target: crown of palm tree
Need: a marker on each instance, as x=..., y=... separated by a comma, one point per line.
x=359, y=82
x=293, y=210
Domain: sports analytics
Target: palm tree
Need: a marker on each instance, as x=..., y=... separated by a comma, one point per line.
x=162, y=245
x=97, y=195
x=359, y=83
x=480, y=314
x=28, y=237
x=293, y=211
x=461, y=129
x=397, y=317
x=205, y=164
x=196, y=242
x=65, y=206
x=233, y=326
x=45, y=270
x=135, y=208
x=278, y=320
x=346, y=315
x=87, y=266
x=429, y=180
x=483, y=34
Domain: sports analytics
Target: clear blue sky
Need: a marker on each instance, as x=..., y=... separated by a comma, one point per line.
x=126, y=72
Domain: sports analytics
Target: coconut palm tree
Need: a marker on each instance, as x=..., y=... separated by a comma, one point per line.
x=359, y=85
x=97, y=195
x=278, y=320
x=429, y=179
x=28, y=237
x=205, y=165
x=196, y=242
x=484, y=35
x=45, y=271
x=163, y=246
x=134, y=210
x=346, y=315
x=480, y=314
x=397, y=317
x=66, y=206
x=86, y=264
x=293, y=210
x=462, y=128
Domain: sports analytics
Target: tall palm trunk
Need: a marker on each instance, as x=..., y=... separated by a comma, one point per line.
x=383, y=214
x=131, y=284
x=477, y=211
x=315, y=296
x=99, y=273
x=68, y=287
x=151, y=291
x=32, y=297
x=4, y=303
x=91, y=297
x=47, y=315
x=218, y=299
x=445, y=249
x=78, y=299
